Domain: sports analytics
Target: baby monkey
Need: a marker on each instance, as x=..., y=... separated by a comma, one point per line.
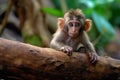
x=71, y=33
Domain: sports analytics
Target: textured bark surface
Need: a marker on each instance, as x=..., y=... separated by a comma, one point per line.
x=19, y=61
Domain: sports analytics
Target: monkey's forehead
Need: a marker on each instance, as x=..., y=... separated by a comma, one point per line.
x=74, y=14
x=71, y=17
x=74, y=18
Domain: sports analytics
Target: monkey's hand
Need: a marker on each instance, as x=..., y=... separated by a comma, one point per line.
x=67, y=50
x=93, y=57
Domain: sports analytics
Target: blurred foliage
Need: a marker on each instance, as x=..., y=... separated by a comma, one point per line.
x=34, y=40
x=53, y=12
x=115, y=13
x=104, y=14
x=3, y=6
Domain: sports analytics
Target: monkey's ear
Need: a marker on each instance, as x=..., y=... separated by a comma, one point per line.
x=60, y=23
x=88, y=24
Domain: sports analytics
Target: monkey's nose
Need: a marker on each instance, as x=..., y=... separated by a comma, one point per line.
x=74, y=29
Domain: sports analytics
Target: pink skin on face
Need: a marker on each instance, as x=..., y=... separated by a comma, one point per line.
x=73, y=28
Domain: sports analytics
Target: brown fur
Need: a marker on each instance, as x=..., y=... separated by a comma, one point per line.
x=69, y=39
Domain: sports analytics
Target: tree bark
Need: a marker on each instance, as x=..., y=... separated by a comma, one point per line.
x=20, y=61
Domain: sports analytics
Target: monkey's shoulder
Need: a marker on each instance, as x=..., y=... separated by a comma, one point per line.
x=61, y=33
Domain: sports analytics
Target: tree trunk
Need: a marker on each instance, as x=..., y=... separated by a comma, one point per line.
x=19, y=61
x=32, y=20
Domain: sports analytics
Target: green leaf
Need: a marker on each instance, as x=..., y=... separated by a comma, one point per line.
x=52, y=11
x=57, y=4
x=103, y=26
x=105, y=29
x=71, y=4
x=87, y=12
x=33, y=40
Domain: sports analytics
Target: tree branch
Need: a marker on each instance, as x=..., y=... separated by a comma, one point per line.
x=6, y=16
x=23, y=61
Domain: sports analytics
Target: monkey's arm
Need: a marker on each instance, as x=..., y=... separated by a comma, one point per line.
x=86, y=42
x=58, y=43
x=89, y=47
x=58, y=40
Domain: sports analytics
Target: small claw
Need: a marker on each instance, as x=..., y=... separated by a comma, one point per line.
x=61, y=49
x=67, y=50
x=94, y=59
x=91, y=57
x=64, y=50
x=70, y=53
x=89, y=54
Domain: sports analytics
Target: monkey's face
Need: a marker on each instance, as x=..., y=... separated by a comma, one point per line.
x=74, y=27
x=74, y=22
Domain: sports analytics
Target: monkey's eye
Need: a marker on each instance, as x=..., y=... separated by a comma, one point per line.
x=77, y=24
x=70, y=24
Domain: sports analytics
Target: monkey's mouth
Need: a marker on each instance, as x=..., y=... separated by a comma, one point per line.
x=73, y=34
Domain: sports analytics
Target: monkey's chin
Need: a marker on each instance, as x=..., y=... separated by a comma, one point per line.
x=73, y=35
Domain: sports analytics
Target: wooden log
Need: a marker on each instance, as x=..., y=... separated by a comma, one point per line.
x=20, y=61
